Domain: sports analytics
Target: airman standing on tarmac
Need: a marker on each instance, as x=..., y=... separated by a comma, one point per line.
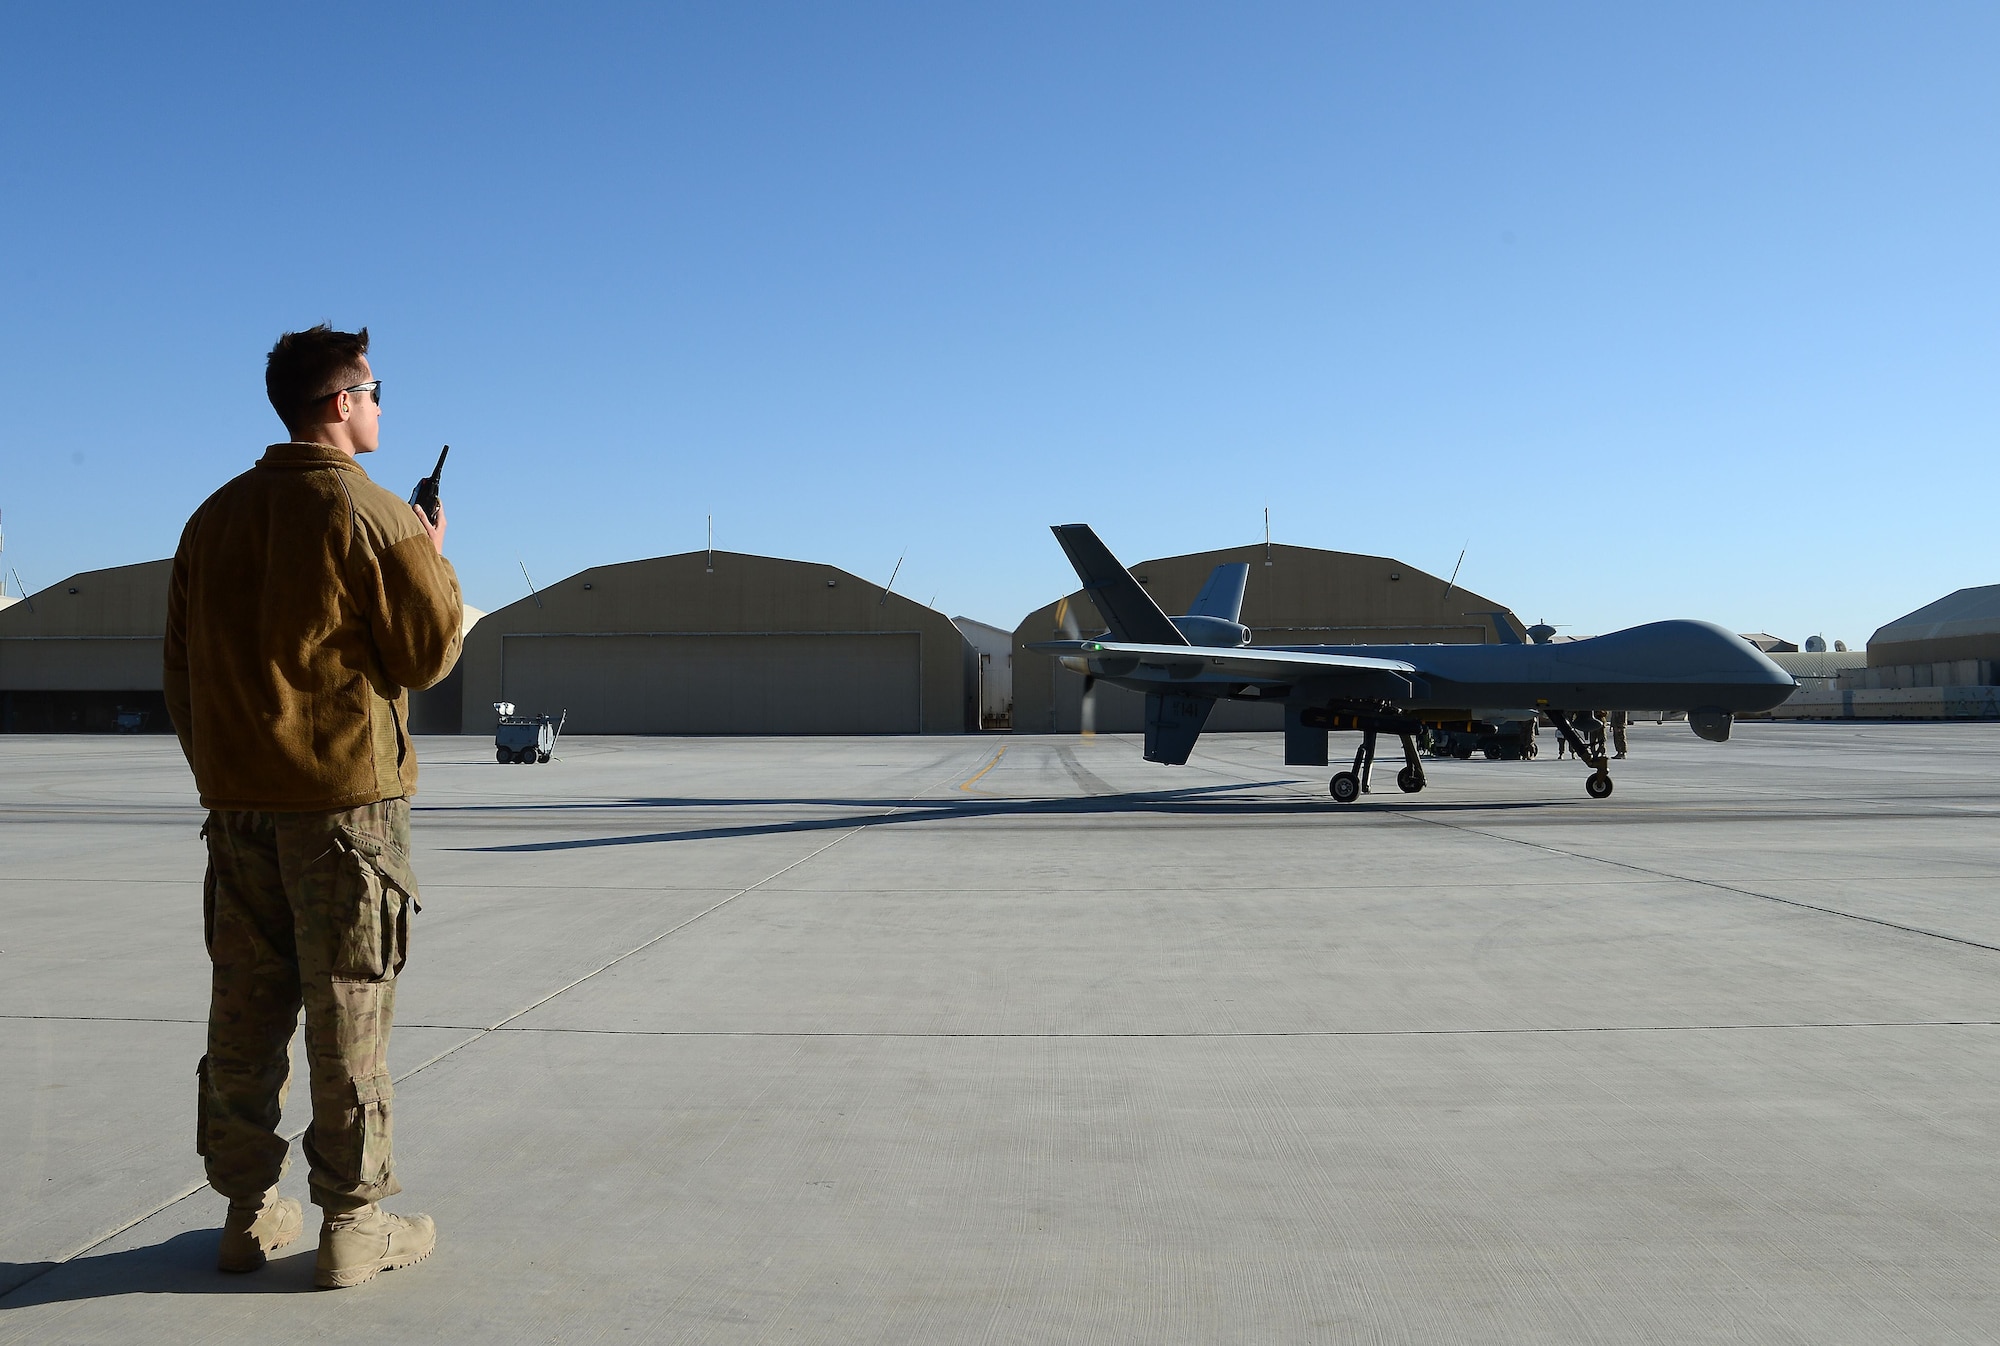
x=305, y=599
x=1618, y=721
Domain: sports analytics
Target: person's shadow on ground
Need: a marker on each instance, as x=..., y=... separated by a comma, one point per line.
x=183, y=1265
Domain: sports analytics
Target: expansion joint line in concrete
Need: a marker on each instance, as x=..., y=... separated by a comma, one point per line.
x=479, y=1033
x=1709, y=883
x=64, y=1258
x=972, y=1035
x=859, y=827
x=97, y=1240
x=979, y=1035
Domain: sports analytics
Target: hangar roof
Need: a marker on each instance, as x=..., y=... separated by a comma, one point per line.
x=1820, y=665
x=715, y=591
x=1310, y=595
x=985, y=638
x=118, y=601
x=1967, y=612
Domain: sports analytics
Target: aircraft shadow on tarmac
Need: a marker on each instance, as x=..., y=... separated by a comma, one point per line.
x=182, y=1265
x=1197, y=801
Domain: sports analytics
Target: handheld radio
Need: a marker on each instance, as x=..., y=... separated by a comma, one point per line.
x=425, y=497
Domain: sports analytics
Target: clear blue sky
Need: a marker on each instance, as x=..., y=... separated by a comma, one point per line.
x=1680, y=310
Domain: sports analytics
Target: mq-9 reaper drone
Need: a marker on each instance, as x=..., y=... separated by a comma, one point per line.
x=1184, y=665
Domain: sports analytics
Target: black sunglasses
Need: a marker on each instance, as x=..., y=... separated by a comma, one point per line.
x=373, y=388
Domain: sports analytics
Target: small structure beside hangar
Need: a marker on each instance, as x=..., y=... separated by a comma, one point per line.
x=1295, y=596
x=1818, y=670
x=721, y=643
x=992, y=654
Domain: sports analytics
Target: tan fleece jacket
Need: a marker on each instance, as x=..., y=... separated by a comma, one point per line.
x=304, y=599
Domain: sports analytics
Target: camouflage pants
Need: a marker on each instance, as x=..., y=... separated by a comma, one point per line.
x=307, y=909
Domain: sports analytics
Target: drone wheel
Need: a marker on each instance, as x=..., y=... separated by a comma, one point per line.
x=1598, y=786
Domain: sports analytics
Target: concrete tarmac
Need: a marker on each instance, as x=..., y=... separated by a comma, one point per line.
x=1019, y=1039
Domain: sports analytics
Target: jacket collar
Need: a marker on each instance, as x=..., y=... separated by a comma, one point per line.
x=297, y=455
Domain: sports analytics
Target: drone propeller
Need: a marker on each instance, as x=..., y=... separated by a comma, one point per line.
x=1066, y=621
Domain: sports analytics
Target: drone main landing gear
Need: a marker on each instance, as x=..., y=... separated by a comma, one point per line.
x=1411, y=778
x=1348, y=786
x=1598, y=784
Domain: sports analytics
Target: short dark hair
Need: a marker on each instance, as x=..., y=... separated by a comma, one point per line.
x=307, y=366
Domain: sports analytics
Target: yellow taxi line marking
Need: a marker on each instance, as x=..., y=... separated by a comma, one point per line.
x=983, y=770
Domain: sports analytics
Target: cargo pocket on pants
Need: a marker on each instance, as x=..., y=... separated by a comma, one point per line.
x=370, y=914
x=201, y=1107
x=208, y=908
x=371, y=1100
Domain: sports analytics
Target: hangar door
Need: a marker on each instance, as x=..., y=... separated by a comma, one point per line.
x=791, y=683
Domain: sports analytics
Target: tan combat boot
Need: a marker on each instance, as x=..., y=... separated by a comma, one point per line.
x=355, y=1246
x=256, y=1228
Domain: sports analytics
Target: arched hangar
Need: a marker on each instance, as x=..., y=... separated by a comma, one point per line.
x=721, y=643
x=1964, y=624
x=1295, y=596
x=83, y=655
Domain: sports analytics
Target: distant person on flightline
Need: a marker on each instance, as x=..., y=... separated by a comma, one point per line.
x=1618, y=720
x=305, y=599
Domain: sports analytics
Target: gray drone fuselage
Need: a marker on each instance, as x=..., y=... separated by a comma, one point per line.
x=1680, y=665
x=1185, y=664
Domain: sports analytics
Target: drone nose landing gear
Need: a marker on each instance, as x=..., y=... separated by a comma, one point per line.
x=1598, y=784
